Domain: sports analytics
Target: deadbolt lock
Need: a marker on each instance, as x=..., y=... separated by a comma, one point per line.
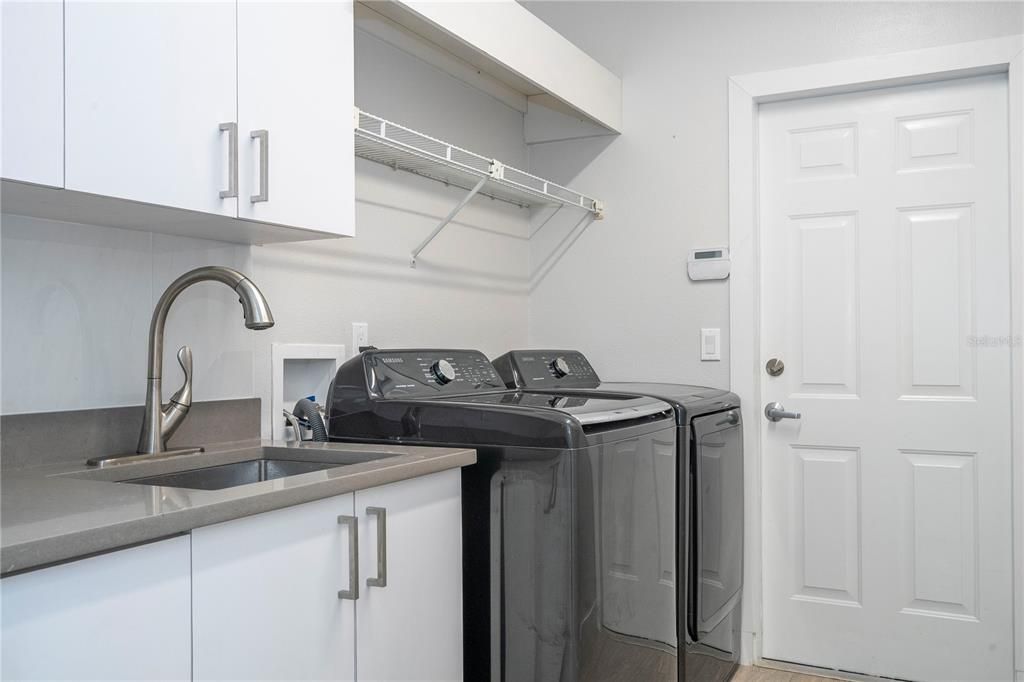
x=775, y=367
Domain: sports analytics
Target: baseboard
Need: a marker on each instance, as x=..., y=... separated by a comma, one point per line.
x=816, y=671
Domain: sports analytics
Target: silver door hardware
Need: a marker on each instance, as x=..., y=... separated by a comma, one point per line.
x=775, y=367
x=382, y=547
x=353, y=557
x=264, y=137
x=776, y=412
x=232, y=190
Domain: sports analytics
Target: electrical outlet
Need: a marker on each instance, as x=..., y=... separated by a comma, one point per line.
x=360, y=336
x=710, y=344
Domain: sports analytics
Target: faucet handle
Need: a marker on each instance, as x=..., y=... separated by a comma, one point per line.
x=183, y=396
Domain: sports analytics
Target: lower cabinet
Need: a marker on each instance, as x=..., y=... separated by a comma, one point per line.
x=410, y=628
x=117, y=616
x=366, y=586
x=363, y=586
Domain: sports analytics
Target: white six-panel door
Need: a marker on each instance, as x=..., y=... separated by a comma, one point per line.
x=885, y=291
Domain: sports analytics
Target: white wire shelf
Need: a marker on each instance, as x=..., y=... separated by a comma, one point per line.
x=405, y=149
x=401, y=148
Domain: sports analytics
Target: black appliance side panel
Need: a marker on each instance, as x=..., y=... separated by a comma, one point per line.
x=715, y=545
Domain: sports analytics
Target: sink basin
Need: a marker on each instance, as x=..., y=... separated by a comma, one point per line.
x=234, y=474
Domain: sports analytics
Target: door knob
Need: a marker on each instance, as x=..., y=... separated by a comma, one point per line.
x=776, y=412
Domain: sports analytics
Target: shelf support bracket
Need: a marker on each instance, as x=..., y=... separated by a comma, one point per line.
x=447, y=219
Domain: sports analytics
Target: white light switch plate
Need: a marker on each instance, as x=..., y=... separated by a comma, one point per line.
x=711, y=344
x=360, y=336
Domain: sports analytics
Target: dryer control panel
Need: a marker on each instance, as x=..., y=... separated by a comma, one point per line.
x=541, y=369
x=428, y=373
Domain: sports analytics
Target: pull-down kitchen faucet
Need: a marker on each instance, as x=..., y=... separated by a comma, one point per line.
x=159, y=422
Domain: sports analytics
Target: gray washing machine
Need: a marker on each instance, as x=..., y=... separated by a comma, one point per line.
x=710, y=457
x=569, y=534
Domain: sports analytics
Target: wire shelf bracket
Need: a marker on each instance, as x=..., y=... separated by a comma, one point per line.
x=401, y=148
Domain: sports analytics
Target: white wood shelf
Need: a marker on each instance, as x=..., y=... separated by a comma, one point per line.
x=507, y=44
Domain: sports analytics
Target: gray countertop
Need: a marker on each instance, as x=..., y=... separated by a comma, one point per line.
x=65, y=511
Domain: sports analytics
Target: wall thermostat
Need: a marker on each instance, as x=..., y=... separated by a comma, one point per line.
x=708, y=264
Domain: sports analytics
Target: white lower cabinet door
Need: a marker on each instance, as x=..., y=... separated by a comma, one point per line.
x=265, y=595
x=410, y=564
x=117, y=616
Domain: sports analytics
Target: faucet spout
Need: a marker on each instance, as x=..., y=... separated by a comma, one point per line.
x=158, y=423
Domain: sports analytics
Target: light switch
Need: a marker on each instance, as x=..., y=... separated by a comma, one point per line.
x=360, y=336
x=710, y=344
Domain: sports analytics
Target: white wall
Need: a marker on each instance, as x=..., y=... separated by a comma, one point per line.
x=77, y=299
x=621, y=293
x=469, y=286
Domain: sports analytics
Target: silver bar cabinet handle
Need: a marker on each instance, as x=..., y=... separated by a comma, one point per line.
x=264, y=137
x=232, y=130
x=353, y=558
x=382, y=547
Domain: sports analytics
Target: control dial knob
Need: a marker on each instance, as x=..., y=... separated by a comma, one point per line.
x=560, y=367
x=443, y=372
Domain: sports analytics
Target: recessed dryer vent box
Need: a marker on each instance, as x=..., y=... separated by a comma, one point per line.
x=708, y=264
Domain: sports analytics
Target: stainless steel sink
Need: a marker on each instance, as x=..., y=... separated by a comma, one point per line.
x=234, y=474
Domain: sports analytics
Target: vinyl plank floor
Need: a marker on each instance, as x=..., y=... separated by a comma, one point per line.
x=754, y=674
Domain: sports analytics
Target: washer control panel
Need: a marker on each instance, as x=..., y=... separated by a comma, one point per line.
x=539, y=369
x=427, y=373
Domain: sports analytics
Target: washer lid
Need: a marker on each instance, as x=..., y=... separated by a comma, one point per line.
x=587, y=410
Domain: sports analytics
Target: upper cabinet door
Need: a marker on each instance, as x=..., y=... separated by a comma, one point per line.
x=33, y=91
x=295, y=99
x=148, y=85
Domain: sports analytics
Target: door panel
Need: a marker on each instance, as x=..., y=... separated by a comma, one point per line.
x=122, y=615
x=885, y=290
x=265, y=603
x=147, y=86
x=295, y=81
x=33, y=91
x=418, y=611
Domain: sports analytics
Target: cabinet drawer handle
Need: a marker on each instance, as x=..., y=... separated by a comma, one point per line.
x=232, y=190
x=382, y=547
x=353, y=558
x=264, y=137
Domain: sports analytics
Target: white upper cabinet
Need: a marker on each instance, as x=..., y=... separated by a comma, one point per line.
x=32, y=94
x=147, y=86
x=295, y=99
x=118, y=616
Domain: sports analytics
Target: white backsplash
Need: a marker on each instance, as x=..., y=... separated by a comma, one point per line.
x=77, y=301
